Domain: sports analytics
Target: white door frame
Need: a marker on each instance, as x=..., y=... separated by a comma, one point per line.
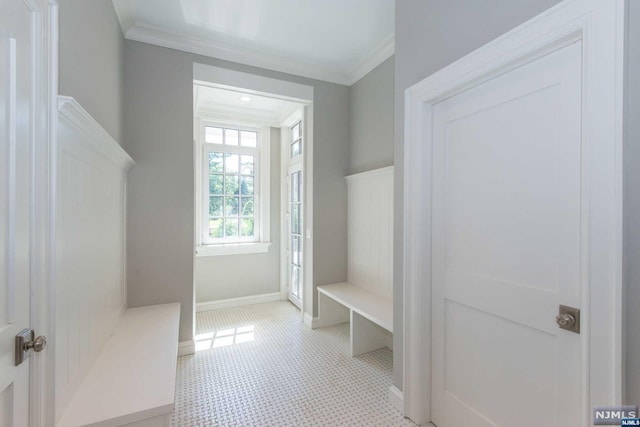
x=600, y=27
x=42, y=375
x=285, y=222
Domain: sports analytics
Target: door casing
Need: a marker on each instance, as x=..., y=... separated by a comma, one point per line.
x=600, y=26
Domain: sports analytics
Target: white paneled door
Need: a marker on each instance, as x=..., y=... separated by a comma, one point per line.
x=507, y=249
x=23, y=123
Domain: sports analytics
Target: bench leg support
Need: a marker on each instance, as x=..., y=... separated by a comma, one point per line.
x=366, y=336
x=330, y=312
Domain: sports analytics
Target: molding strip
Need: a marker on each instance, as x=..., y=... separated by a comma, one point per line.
x=186, y=347
x=396, y=398
x=237, y=302
x=74, y=115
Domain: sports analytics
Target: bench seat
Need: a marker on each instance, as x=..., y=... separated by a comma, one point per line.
x=370, y=315
x=132, y=383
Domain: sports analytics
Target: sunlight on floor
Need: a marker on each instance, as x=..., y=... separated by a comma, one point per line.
x=225, y=338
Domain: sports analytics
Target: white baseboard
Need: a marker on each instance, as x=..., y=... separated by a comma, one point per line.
x=236, y=302
x=310, y=321
x=396, y=397
x=186, y=347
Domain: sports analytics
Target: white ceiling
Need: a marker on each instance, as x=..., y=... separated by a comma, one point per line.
x=332, y=40
x=225, y=105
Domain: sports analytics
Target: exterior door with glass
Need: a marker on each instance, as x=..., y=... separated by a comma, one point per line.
x=295, y=214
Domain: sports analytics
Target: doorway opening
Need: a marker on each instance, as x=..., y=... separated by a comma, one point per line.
x=253, y=200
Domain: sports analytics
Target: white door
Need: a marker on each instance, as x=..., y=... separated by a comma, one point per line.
x=507, y=248
x=295, y=214
x=21, y=94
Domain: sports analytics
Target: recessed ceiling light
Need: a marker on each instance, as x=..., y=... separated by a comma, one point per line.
x=245, y=98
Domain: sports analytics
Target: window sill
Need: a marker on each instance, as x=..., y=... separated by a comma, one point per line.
x=232, y=249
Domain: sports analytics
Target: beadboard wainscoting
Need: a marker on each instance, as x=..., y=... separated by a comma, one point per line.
x=370, y=231
x=90, y=255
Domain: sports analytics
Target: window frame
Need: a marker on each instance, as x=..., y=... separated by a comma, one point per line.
x=259, y=243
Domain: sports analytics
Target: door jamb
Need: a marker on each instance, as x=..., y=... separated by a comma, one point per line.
x=42, y=367
x=600, y=27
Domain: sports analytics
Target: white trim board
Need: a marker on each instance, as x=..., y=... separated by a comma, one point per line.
x=310, y=321
x=600, y=27
x=237, y=302
x=396, y=398
x=209, y=75
x=74, y=115
x=186, y=347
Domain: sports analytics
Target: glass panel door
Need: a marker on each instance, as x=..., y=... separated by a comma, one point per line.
x=295, y=212
x=295, y=235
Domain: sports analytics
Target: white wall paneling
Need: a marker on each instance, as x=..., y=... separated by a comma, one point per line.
x=370, y=230
x=90, y=260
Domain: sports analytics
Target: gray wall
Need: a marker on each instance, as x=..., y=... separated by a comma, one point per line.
x=371, y=120
x=158, y=133
x=430, y=35
x=632, y=206
x=232, y=276
x=91, y=54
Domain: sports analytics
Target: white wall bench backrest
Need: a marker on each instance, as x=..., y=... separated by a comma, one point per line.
x=132, y=383
x=113, y=367
x=90, y=244
x=366, y=300
x=370, y=230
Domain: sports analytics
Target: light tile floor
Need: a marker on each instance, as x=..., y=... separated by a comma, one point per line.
x=258, y=365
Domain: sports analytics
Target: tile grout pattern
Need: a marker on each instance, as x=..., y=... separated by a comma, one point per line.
x=258, y=365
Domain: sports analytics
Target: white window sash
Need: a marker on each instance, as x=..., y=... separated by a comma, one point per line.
x=261, y=191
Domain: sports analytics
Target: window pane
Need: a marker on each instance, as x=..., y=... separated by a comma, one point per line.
x=216, y=228
x=295, y=131
x=231, y=163
x=215, y=205
x=247, y=185
x=294, y=187
x=246, y=206
x=294, y=219
x=215, y=162
x=246, y=165
x=295, y=250
x=248, y=139
x=231, y=206
x=295, y=286
x=231, y=136
x=295, y=149
x=231, y=227
x=216, y=184
x=246, y=227
x=213, y=135
x=231, y=185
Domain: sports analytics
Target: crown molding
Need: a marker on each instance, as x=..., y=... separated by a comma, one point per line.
x=376, y=57
x=126, y=13
x=152, y=35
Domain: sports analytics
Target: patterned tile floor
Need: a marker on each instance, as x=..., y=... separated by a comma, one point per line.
x=258, y=365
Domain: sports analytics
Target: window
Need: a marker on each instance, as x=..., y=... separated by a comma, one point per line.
x=232, y=184
x=296, y=141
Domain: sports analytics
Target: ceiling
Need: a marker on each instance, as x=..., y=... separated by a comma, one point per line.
x=226, y=105
x=333, y=40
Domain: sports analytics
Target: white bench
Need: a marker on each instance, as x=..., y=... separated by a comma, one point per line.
x=370, y=315
x=132, y=383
